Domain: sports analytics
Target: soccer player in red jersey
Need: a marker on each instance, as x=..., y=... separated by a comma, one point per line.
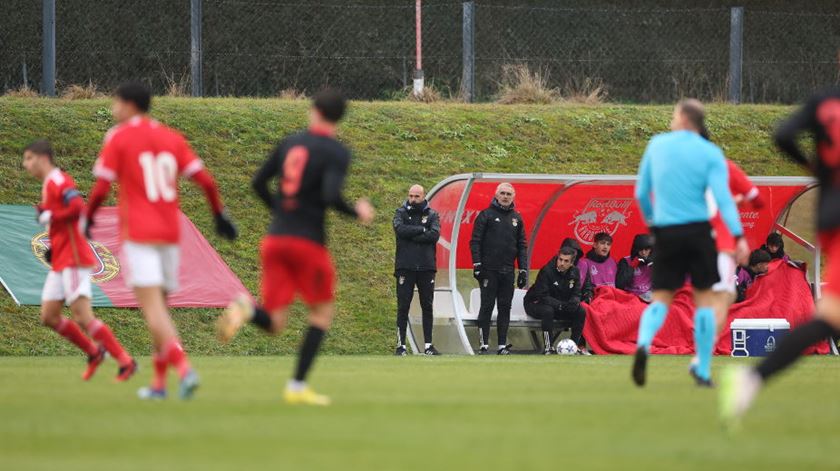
x=820, y=118
x=72, y=260
x=746, y=195
x=311, y=167
x=145, y=158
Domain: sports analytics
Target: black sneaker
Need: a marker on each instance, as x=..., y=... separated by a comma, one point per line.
x=483, y=351
x=400, y=351
x=432, y=351
x=702, y=383
x=505, y=350
x=550, y=351
x=639, y=366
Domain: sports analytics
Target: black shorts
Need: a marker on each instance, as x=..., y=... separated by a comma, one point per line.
x=684, y=250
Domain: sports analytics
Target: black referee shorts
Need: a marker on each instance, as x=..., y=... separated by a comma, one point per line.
x=684, y=250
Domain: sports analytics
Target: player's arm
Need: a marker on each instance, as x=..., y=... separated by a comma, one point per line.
x=743, y=190
x=264, y=174
x=333, y=188
x=193, y=168
x=718, y=183
x=577, y=292
x=72, y=206
x=477, y=237
x=522, y=247
x=106, y=170
x=644, y=186
x=789, y=130
x=403, y=230
x=432, y=233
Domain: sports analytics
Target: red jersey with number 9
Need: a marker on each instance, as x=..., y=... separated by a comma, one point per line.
x=146, y=158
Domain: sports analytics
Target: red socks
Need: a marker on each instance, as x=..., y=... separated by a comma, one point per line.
x=71, y=331
x=100, y=332
x=173, y=352
x=160, y=364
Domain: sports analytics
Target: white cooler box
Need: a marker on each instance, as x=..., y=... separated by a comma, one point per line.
x=757, y=337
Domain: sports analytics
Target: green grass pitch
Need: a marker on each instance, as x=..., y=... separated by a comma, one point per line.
x=415, y=413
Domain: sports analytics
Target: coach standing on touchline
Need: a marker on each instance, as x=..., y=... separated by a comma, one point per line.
x=417, y=228
x=498, y=239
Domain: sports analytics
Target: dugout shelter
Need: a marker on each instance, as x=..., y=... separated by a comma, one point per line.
x=553, y=208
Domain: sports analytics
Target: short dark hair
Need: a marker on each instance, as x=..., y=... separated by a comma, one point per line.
x=41, y=147
x=759, y=256
x=775, y=239
x=136, y=92
x=566, y=250
x=331, y=104
x=693, y=110
x=603, y=237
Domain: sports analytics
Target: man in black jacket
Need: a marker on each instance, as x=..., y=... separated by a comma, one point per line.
x=498, y=240
x=556, y=295
x=417, y=228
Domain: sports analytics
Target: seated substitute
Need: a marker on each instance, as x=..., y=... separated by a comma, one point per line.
x=775, y=246
x=758, y=265
x=635, y=272
x=598, y=265
x=556, y=295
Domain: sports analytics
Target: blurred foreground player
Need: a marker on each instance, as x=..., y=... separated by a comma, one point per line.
x=820, y=117
x=145, y=158
x=311, y=167
x=71, y=262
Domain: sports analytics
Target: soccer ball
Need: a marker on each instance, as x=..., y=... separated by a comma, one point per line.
x=567, y=347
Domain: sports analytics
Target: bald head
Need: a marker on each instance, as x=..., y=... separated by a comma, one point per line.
x=505, y=194
x=416, y=194
x=690, y=115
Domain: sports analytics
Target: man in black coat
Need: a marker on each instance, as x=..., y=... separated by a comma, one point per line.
x=498, y=241
x=417, y=228
x=556, y=295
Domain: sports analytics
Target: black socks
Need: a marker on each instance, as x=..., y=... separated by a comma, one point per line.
x=308, y=350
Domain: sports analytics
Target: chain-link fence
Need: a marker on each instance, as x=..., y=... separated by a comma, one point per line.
x=647, y=53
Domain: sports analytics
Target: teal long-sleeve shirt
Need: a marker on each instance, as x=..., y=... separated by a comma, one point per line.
x=676, y=170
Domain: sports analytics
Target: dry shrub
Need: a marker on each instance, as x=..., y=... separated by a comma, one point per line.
x=429, y=94
x=81, y=92
x=176, y=86
x=22, y=92
x=292, y=93
x=520, y=85
x=587, y=91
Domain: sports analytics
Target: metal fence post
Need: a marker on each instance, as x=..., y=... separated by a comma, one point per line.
x=468, y=32
x=736, y=53
x=196, y=53
x=48, y=49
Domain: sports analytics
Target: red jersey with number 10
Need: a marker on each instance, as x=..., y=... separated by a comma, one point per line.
x=146, y=158
x=69, y=247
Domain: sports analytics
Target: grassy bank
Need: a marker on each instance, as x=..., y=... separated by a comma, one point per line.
x=395, y=144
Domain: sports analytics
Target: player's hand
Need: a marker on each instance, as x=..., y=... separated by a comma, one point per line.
x=477, y=271
x=522, y=279
x=365, y=211
x=85, y=224
x=225, y=227
x=742, y=251
x=44, y=217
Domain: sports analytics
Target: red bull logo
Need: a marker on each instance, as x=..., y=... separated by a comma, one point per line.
x=601, y=215
x=108, y=267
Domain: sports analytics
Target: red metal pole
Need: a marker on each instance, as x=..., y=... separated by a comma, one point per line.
x=418, y=28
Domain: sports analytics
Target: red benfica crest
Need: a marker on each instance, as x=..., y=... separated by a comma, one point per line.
x=601, y=215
